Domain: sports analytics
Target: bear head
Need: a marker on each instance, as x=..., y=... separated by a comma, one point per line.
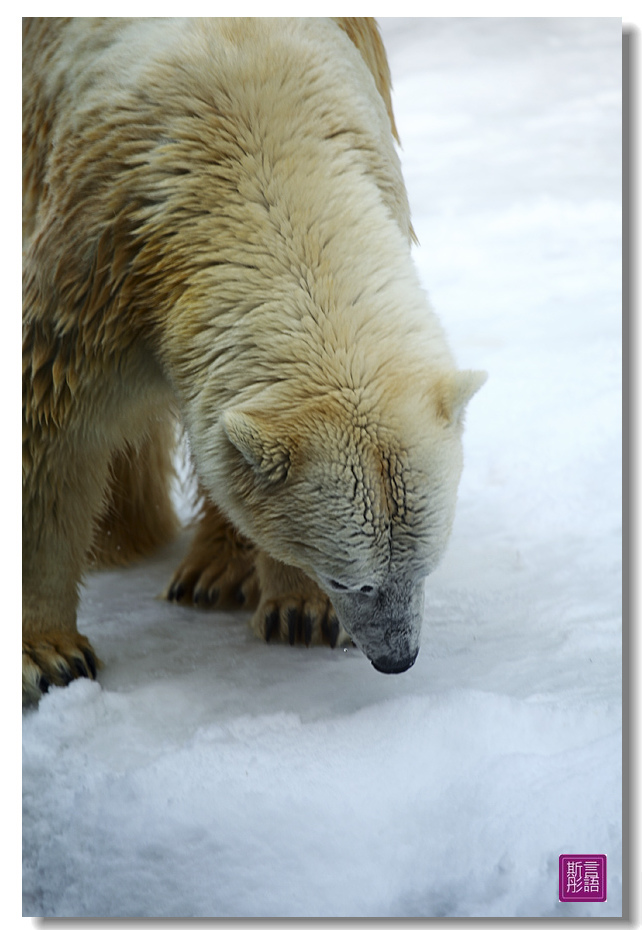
x=357, y=490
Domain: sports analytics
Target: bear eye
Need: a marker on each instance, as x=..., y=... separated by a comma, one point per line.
x=337, y=586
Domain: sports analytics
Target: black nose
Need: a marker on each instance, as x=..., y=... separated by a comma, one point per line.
x=395, y=665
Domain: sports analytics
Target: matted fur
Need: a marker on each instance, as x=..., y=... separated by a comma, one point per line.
x=215, y=227
x=138, y=514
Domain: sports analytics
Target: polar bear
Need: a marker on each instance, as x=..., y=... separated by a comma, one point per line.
x=216, y=229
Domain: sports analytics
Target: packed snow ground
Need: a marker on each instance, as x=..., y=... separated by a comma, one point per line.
x=209, y=775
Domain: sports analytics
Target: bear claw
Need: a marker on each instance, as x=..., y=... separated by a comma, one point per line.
x=231, y=587
x=297, y=620
x=91, y=662
x=292, y=618
x=307, y=628
x=204, y=598
x=55, y=659
x=176, y=591
x=331, y=629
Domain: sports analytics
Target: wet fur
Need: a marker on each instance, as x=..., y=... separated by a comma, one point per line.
x=179, y=179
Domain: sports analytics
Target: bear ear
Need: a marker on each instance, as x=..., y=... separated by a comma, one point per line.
x=254, y=438
x=453, y=391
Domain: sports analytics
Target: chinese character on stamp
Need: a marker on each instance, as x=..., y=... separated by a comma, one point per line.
x=582, y=878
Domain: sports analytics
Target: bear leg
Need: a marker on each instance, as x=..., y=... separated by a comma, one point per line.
x=61, y=492
x=138, y=516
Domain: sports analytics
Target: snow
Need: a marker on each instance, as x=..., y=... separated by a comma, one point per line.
x=206, y=774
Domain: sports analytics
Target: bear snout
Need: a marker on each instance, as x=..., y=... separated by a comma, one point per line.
x=388, y=630
x=394, y=665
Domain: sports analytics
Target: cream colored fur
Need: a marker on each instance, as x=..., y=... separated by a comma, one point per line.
x=216, y=229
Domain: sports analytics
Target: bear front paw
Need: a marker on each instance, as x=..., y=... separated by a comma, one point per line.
x=225, y=580
x=55, y=659
x=295, y=619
